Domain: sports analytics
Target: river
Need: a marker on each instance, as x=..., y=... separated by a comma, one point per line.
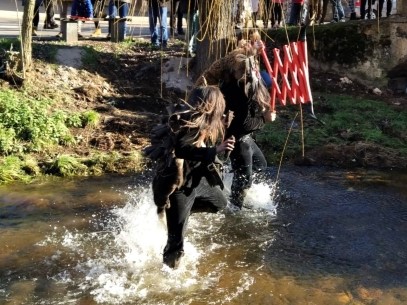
x=307, y=236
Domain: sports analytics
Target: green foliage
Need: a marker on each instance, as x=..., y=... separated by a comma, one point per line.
x=32, y=121
x=90, y=118
x=68, y=166
x=7, y=140
x=11, y=169
x=346, y=120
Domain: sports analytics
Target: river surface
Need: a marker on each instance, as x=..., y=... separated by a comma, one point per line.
x=307, y=236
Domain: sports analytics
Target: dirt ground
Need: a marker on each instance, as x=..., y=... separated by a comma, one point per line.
x=130, y=88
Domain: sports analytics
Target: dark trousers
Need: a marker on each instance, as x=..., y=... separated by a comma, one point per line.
x=246, y=159
x=49, y=6
x=204, y=197
x=267, y=7
x=324, y=10
x=277, y=13
x=388, y=8
x=176, y=14
x=363, y=8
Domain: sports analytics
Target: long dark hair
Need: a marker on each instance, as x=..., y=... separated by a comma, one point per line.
x=208, y=106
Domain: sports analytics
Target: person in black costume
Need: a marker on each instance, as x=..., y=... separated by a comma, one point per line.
x=246, y=95
x=198, y=142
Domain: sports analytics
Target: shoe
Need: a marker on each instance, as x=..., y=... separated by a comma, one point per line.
x=353, y=16
x=50, y=25
x=173, y=259
x=80, y=35
x=97, y=33
x=342, y=20
x=181, y=32
x=109, y=36
x=34, y=32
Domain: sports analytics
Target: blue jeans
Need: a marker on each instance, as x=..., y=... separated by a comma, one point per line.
x=122, y=7
x=157, y=13
x=337, y=10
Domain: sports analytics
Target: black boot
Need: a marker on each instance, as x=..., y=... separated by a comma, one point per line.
x=173, y=259
x=353, y=16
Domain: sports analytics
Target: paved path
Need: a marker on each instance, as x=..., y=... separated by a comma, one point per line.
x=11, y=12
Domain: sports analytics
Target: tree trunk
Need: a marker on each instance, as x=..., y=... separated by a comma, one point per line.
x=26, y=37
x=215, y=38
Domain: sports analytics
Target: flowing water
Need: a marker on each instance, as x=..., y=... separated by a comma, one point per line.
x=312, y=236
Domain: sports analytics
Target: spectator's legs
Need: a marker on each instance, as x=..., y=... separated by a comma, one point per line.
x=389, y=7
x=153, y=14
x=324, y=10
x=163, y=13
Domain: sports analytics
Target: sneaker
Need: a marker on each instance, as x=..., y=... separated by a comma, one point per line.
x=342, y=20
x=173, y=259
x=97, y=33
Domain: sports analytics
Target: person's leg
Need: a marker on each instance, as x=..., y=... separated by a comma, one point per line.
x=324, y=10
x=295, y=14
x=341, y=12
x=49, y=19
x=335, y=15
x=389, y=7
x=369, y=9
x=74, y=8
x=163, y=11
x=180, y=16
x=273, y=14
x=177, y=218
x=36, y=18
x=112, y=10
x=242, y=165
x=152, y=21
x=363, y=9
x=195, y=29
x=123, y=13
x=279, y=13
x=172, y=17
x=209, y=198
x=381, y=2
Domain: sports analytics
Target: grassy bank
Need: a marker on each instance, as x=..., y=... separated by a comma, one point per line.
x=345, y=125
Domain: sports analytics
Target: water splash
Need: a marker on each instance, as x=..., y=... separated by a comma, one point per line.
x=124, y=262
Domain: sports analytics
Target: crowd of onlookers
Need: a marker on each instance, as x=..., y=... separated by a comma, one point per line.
x=293, y=12
x=245, y=13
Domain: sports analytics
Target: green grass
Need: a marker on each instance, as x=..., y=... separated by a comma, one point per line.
x=346, y=120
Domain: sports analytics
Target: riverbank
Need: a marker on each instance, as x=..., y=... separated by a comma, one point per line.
x=109, y=95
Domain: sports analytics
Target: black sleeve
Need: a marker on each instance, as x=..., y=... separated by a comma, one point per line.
x=190, y=152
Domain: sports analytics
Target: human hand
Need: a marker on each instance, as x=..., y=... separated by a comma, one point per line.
x=226, y=145
x=259, y=45
x=270, y=116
